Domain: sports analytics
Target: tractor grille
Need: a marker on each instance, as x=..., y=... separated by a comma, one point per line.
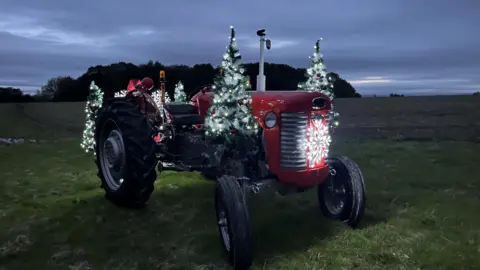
x=293, y=131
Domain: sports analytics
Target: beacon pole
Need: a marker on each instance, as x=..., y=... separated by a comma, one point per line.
x=162, y=85
x=261, y=79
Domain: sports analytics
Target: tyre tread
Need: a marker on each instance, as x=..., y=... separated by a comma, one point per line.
x=140, y=148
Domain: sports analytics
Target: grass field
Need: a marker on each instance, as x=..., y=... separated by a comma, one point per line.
x=422, y=208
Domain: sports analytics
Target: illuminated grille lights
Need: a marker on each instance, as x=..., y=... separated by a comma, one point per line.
x=317, y=142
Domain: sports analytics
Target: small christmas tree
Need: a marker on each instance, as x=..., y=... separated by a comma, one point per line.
x=317, y=78
x=230, y=108
x=94, y=102
x=179, y=94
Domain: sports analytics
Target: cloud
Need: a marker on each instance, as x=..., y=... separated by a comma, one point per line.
x=29, y=28
x=370, y=80
x=414, y=46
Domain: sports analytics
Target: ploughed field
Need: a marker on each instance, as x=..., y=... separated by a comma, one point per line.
x=408, y=118
x=419, y=157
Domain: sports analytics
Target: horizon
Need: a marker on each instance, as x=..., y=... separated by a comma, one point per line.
x=379, y=47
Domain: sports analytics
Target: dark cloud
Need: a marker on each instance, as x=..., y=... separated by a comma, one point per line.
x=414, y=46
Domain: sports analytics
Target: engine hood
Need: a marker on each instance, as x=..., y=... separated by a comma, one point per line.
x=286, y=101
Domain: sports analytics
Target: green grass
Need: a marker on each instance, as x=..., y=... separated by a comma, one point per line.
x=422, y=213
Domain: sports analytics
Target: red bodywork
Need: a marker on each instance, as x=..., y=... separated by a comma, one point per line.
x=262, y=102
x=279, y=102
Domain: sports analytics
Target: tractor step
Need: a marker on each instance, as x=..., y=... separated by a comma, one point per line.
x=258, y=186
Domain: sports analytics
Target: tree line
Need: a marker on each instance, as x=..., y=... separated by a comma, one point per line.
x=115, y=77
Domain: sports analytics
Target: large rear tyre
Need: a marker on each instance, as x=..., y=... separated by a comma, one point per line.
x=125, y=154
x=342, y=195
x=233, y=222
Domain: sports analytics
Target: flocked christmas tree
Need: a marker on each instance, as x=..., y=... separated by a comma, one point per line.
x=318, y=80
x=94, y=102
x=230, y=108
x=179, y=93
x=317, y=77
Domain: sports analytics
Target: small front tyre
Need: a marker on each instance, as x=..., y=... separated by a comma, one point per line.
x=233, y=222
x=342, y=195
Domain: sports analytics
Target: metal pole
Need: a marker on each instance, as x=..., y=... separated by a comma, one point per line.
x=162, y=85
x=261, y=80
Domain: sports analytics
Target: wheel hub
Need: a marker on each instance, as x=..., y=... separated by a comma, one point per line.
x=113, y=152
x=334, y=194
x=112, y=158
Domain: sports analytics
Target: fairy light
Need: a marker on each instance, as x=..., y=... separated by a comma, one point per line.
x=157, y=97
x=120, y=94
x=230, y=108
x=94, y=102
x=317, y=143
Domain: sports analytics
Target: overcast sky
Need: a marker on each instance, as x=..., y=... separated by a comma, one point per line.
x=380, y=46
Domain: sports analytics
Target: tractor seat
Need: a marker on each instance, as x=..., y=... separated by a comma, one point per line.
x=187, y=119
x=180, y=108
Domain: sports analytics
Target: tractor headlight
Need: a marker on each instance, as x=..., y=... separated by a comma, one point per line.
x=270, y=119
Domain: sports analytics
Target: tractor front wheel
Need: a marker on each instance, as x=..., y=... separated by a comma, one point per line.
x=233, y=222
x=342, y=194
x=125, y=154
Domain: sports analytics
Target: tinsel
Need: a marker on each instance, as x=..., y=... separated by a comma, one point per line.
x=179, y=93
x=94, y=103
x=230, y=108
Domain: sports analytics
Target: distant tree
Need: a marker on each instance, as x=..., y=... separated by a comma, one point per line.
x=476, y=93
x=65, y=89
x=342, y=88
x=396, y=95
x=114, y=77
x=53, y=86
x=10, y=94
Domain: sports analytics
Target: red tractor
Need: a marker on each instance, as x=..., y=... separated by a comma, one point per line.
x=135, y=139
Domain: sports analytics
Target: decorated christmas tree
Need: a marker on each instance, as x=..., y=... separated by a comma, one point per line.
x=317, y=77
x=94, y=102
x=230, y=108
x=179, y=93
x=318, y=80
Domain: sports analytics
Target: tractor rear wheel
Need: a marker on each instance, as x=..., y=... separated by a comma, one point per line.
x=342, y=194
x=233, y=222
x=125, y=154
